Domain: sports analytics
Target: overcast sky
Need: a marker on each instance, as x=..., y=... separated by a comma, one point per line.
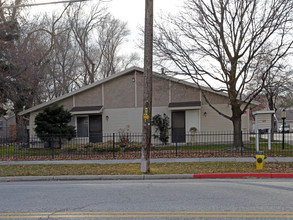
x=131, y=11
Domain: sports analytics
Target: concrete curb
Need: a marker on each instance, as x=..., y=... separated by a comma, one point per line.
x=146, y=177
x=95, y=177
x=242, y=175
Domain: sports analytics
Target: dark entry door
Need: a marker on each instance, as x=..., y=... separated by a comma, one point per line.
x=95, y=128
x=178, y=126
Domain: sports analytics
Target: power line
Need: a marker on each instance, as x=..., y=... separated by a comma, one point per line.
x=40, y=4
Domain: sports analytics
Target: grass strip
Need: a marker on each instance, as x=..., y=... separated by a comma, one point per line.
x=134, y=169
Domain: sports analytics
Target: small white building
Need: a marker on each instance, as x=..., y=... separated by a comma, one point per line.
x=263, y=120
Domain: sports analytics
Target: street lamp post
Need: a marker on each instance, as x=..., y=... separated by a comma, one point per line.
x=283, y=116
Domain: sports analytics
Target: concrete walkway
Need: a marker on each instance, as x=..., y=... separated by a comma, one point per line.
x=161, y=160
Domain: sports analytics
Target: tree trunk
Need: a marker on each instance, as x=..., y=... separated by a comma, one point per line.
x=92, y=74
x=237, y=137
x=271, y=106
x=19, y=126
x=237, y=134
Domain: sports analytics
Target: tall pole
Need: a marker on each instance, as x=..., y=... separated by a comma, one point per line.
x=283, y=116
x=283, y=134
x=147, y=94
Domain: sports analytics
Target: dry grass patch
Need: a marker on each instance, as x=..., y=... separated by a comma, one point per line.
x=134, y=169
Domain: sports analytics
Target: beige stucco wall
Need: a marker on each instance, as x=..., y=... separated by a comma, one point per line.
x=184, y=93
x=67, y=103
x=91, y=97
x=121, y=119
x=212, y=121
x=130, y=118
x=139, y=89
x=160, y=92
x=214, y=99
x=166, y=91
x=120, y=93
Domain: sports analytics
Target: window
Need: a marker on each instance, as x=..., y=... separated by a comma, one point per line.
x=82, y=126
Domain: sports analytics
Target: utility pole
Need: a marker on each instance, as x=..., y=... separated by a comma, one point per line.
x=147, y=93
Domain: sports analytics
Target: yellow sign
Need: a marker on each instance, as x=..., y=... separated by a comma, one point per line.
x=146, y=117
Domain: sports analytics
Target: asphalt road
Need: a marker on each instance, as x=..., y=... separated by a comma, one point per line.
x=148, y=199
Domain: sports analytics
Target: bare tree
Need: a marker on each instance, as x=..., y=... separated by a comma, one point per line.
x=57, y=59
x=10, y=14
x=15, y=81
x=82, y=25
x=277, y=83
x=285, y=101
x=47, y=56
x=127, y=60
x=99, y=37
x=25, y=54
x=111, y=38
x=222, y=41
x=61, y=62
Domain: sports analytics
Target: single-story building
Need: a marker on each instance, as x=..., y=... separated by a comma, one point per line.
x=116, y=102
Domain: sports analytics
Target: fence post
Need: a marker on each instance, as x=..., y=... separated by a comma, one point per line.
x=241, y=143
x=52, y=146
x=28, y=138
x=113, y=145
x=176, y=148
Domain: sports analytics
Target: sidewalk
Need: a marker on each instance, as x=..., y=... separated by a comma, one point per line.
x=147, y=177
x=161, y=160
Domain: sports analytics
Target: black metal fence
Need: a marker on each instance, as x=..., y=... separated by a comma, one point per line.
x=128, y=146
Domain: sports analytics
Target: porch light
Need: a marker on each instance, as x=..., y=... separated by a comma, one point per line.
x=283, y=114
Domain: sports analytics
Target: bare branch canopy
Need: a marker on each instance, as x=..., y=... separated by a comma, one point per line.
x=219, y=44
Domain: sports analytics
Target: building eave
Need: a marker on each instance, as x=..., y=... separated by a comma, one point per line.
x=127, y=71
x=65, y=96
